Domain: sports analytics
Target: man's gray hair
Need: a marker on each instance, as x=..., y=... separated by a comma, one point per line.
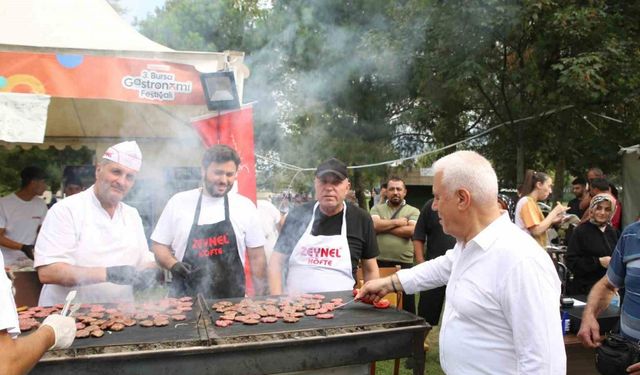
x=471, y=171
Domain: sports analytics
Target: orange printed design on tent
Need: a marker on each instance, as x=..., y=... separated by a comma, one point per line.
x=21, y=83
x=100, y=77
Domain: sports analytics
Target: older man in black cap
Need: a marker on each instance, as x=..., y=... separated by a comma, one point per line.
x=322, y=242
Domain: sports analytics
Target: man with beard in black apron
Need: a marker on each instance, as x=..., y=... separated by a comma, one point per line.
x=206, y=236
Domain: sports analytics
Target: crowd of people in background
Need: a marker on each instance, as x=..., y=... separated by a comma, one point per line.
x=407, y=236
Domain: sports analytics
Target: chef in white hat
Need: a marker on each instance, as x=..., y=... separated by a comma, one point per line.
x=92, y=242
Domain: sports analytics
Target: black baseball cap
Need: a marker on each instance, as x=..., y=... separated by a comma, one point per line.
x=333, y=165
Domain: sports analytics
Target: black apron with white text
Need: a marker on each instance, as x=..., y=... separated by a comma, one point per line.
x=212, y=252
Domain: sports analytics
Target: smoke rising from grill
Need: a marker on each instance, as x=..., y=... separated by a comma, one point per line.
x=325, y=79
x=314, y=79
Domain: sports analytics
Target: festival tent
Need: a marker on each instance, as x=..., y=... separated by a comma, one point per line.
x=74, y=73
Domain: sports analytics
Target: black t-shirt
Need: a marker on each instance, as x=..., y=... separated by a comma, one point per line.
x=428, y=227
x=360, y=233
x=587, y=244
x=574, y=207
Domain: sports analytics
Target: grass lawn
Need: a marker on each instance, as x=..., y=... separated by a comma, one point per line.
x=432, y=361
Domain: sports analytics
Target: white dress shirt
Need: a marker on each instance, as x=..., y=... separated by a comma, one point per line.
x=502, y=304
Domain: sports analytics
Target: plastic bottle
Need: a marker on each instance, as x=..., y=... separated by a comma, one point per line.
x=615, y=301
x=566, y=323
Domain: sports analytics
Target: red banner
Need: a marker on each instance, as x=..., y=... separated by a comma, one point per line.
x=235, y=129
x=100, y=77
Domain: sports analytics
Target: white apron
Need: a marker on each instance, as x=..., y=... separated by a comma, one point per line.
x=320, y=263
x=100, y=244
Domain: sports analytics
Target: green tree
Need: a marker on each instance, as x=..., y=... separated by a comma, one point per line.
x=498, y=61
x=324, y=74
x=200, y=25
x=51, y=160
x=335, y=71
x=369, y=81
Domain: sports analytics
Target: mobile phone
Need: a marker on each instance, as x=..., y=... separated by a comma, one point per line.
x=566, y=302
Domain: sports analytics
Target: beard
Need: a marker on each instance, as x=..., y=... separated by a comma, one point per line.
x=395, y=201
x=213, y=191
x=108, y=194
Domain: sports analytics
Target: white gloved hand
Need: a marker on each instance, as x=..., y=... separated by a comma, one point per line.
x=64, y=328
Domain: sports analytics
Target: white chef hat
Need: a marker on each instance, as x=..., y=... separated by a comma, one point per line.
x=125, y=153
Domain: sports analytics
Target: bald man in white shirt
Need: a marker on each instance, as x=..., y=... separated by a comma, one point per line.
x=502, y=299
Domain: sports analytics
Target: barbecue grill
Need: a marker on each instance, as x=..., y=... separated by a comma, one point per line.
x=358, y=334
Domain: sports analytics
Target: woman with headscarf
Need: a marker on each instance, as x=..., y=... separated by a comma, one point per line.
x=591, y=245
x=528, y=216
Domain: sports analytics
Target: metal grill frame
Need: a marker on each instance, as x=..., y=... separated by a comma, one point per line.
x=381, y=335
x=269, y=357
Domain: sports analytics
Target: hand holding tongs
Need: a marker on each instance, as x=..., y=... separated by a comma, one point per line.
x=67, y=302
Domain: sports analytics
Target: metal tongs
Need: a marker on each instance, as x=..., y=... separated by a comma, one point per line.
x=345, y=304
x=67, y=301
x=74, y=307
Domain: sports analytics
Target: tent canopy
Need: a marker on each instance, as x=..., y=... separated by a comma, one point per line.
x=107, y=82
x=81, y=24
x=96, y=81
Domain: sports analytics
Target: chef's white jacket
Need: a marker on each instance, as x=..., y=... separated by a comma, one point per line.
x=78, y=231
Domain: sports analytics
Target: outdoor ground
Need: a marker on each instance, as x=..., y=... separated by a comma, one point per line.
x=432, y=361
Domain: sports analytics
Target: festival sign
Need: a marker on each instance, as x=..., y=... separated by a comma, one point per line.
x=100, y=77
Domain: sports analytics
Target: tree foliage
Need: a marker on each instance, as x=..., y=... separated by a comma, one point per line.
x=372, y=80
x=200, y=25
x=51, y=160
x=333, y=71
x=499, y=61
